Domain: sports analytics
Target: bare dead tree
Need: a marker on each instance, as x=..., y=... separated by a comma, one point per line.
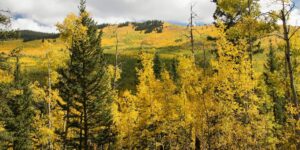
x=116, y=63
x=287, y=34
x=250, y=39
x=191, y=28
x=49, y=98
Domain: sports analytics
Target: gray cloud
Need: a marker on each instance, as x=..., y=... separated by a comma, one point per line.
x=42, y=15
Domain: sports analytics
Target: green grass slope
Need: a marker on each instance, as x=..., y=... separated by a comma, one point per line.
x=171, y=42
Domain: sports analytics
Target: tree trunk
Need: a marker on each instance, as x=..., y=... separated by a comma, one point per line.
x=250, y=41
x=66, y=128
x=288, y=58
x=49, y=100
x=85, y=119
x=80, y=136
x=192, y=32
x=197, y=143
x=116, y=63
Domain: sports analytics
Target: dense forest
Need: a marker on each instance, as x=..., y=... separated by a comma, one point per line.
x=28, y=35
x=203, y=97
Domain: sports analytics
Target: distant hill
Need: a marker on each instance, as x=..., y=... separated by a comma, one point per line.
x=148, y=26
x=28, y=35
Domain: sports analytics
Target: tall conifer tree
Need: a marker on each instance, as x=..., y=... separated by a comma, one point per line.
x=18, y=110
x=86, y=87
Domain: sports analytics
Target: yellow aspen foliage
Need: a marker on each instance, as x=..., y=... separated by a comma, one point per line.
x=190, y=90
x=154, y=117
x=239, y=121
x=111, y=72
x=290, y=132
x=125, y=117
x=54, y=58
x=172, y=114
x=44, y=133
x=72, y=27
x=149, y=104
x=5, y=77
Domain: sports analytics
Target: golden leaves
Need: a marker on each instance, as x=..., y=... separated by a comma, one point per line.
x=72, y=28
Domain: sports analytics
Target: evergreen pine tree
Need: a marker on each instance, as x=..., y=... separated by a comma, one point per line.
x=86, y=88
x=273, y=81
x=17, y=110
x=173, y=69
x=157, y=66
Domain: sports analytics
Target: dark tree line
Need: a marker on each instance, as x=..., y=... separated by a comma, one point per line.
x=149, y=26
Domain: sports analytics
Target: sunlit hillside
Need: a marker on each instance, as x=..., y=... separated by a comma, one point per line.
x=172, y=41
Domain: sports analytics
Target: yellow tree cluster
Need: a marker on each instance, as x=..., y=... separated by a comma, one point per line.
x=223, y=109
x=155, y=116
x=242, y=117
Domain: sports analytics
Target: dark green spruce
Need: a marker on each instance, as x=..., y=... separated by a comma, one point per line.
x=274, y=82
x=85, y=86
x=17, y=111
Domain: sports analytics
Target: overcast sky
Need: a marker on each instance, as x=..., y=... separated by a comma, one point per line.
x=42, y=15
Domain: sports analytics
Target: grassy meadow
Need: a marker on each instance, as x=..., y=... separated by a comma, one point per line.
x=172, y=42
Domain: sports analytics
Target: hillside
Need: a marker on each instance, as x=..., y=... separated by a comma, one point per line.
x=173, y=41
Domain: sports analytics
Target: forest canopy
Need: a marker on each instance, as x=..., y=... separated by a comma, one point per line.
x=232, y=84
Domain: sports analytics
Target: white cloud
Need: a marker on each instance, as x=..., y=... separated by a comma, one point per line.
x=38, y=15
x=44, y=14
x=167, y=10
x=28, y=24
x=268, y=5
x=295, y=17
